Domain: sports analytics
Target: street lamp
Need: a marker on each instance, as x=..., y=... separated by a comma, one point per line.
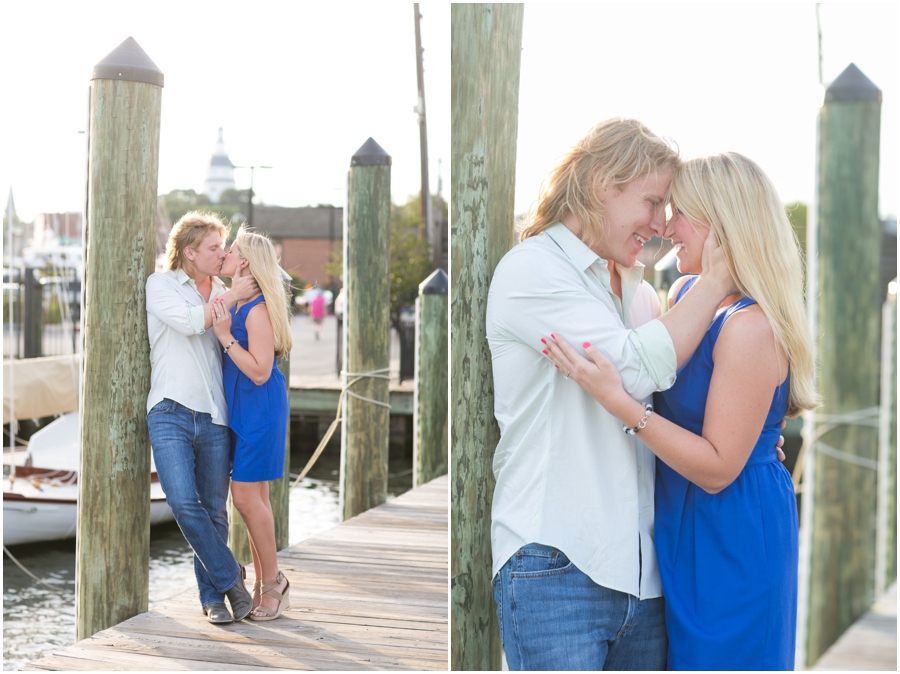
x=250, y=195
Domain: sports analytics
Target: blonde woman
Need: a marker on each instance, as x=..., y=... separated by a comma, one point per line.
x=726, y=518
x=253, y=335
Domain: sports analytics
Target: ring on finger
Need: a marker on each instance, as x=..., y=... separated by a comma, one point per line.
x=567, y=373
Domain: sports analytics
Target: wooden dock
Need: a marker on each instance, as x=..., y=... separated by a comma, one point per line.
x=869, y=644
x=369, y=594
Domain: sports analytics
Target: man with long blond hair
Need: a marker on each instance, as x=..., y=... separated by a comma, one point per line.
x=575, y=575
x=187, y=415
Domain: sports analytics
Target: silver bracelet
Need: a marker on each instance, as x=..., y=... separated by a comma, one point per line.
x=229, y=346
x=642, y=423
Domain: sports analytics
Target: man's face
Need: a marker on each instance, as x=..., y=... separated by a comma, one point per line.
x=634, y=213
x=209, y=255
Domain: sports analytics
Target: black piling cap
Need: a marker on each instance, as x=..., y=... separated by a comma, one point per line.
x=435, y=284
x=852, y=85
x=130, y=63
x=370, y=154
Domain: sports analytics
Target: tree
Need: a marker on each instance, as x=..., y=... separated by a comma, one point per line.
x=796, y=212
x=179, y=202
x=410, y=259
x=232, y=204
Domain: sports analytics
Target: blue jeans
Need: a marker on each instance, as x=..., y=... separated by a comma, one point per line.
x=193, y=460
x=553, y=617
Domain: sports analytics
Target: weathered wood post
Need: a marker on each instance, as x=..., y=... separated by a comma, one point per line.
x=840, y=482
x=365, y=422
x=886, y=541
x=113, y=547
x=430, y=405
x=486, y=47
x=280, y=490
x=33, y=314
x=279, y=497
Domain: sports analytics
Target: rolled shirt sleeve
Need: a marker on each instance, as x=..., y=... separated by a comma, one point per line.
x=168, y=305
x=654, y=346
x=197, y=317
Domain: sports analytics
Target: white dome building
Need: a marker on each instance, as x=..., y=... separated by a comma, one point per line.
x=220, y=173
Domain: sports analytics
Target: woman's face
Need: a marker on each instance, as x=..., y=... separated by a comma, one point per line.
x=688, y=236
x=231, y=263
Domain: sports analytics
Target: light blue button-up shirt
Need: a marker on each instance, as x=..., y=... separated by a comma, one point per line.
x=567, y=475
x=185, y=358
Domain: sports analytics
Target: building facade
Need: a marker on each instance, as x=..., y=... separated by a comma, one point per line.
x=219, y=173
x=305, y=238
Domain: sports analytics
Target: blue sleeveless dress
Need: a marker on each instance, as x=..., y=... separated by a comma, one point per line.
x=728, y=561
x=258, y=415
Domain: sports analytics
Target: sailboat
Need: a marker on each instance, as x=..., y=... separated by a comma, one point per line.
x=40, y=484
x=40, y=500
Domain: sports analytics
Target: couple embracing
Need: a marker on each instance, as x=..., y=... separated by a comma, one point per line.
x=217, y=411
x=641, y=517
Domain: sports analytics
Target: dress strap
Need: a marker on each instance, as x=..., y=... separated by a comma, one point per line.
x=252, y=303
x=685, y=288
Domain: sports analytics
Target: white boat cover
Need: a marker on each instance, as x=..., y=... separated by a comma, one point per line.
x=44, y=386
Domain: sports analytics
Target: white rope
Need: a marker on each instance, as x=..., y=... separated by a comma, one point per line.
x=822, y=448
x=374, y=374
x=864, y=417
x=19, y=564
x=382, y=373
x=825, y=423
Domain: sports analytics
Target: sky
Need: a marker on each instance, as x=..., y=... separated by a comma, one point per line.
x=714, y=77
x=296, y=86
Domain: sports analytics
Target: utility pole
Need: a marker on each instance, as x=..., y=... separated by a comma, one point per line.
x=426, y=210
x=250, y=194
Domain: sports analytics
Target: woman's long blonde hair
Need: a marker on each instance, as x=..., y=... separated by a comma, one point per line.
x=265, y=268
x=613, y=153
x=732, y=195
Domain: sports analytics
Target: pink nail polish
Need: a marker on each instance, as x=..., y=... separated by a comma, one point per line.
x=544, y=352
x=586, y=344
x=543, y=341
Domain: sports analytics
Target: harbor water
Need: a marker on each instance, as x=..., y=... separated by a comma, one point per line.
x=38, y=619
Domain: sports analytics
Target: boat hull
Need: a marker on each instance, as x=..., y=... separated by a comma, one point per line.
x=43, y=506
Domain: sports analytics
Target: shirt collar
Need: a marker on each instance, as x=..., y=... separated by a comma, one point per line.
x=182, y=278
x=574, y=248
x=583, y=258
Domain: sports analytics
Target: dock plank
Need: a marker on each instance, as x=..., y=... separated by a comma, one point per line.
x=869, y=644
x=369, y=594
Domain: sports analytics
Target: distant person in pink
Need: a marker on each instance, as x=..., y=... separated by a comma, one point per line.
x=317, y=312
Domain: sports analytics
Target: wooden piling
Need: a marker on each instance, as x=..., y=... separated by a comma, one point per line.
x=367, y=241
x=486, y=46
x=431, y=396
x=280, y=490
x=33, y=314
x=886, y=532
x=113, y=531
x=842, y=483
